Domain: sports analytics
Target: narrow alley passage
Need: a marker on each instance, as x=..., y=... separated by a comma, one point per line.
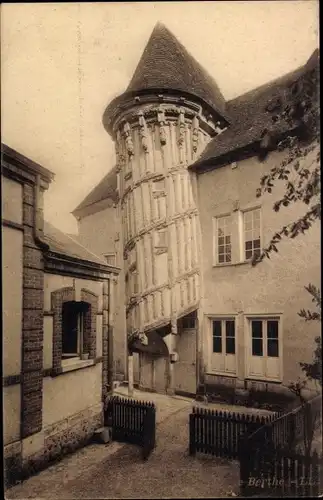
x=117, y=470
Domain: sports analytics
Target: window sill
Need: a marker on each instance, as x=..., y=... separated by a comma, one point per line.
x=76, y=364
x=232, y=264
x=264, y=380
x=160, y=250
x=222, y=374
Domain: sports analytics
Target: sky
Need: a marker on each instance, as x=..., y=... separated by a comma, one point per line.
x=62, y=63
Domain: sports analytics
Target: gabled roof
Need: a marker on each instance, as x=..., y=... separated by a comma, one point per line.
x=249, y=117
x=63, y=244
x=106, y=189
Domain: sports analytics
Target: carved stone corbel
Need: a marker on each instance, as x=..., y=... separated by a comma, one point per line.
x=181, y=125
x=118, y=148
x=161, y=121
x=195, y=133
x=129, y=143
x=143, y=132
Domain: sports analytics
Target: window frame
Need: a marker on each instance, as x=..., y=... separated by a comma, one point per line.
x=132, y=281
x=157, y=247
x=216, y=239
x=243, y=232
x=265, y=317
x=223, y=318
x=188, y=319
x=68, y=358
x=158, y=192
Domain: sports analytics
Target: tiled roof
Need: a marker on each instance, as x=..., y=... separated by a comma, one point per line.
x=107, y=188
x=63, y=244
x=166, y=65
x=249, y=117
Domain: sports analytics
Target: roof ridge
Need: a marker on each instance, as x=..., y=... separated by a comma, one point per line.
x=84, y=247
x=84, y=203
x=276, y=80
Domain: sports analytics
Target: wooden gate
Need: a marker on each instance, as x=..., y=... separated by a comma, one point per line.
x=132, y=422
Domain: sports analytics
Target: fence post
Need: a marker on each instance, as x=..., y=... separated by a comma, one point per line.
x=244, y=464
x=146, y=435
x=192, y=447
x=292, y=430
x=149, y=426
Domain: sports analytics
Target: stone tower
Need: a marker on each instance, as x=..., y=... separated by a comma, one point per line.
x=161, y=124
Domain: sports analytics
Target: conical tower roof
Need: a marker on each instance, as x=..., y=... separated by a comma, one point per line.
x=165, y=65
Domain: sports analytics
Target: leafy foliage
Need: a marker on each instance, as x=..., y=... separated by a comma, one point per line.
x=299, y=114
x=316, y=299
x=313, y=370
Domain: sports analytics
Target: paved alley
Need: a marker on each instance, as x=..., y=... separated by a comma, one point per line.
x=117, y=470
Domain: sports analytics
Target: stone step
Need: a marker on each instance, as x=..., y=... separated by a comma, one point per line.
x=102, y=435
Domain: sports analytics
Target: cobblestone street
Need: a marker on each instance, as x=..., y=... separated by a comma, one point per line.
x=117, y=470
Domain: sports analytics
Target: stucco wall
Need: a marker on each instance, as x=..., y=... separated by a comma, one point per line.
x=11, y=193
x=98, y=231
x=11, y=414
x=71, y=393
x=275, y=285
x=101, y=233
x=53, y=282
x=75, y=391
x=12, y=262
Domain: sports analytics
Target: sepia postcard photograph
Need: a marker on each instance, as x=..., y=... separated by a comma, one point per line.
x=161, y=250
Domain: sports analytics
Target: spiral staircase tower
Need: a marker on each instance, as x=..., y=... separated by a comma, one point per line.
x=160, y=125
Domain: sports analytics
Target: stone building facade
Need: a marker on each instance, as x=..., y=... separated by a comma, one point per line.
x=183, y=199
x=56, y=372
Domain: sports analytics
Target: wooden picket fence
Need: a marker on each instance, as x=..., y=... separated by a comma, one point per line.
x=132, y=422
x=279, y=472
x=270, y=461
x=288, y=430
x=218, y=432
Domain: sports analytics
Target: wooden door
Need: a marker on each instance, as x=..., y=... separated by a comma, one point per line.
x=185, y=367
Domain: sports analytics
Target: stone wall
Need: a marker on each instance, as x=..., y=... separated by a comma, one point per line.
x=56, y=440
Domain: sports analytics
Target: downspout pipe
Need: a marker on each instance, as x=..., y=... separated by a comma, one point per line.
x=108, y=336
x=38, y=234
